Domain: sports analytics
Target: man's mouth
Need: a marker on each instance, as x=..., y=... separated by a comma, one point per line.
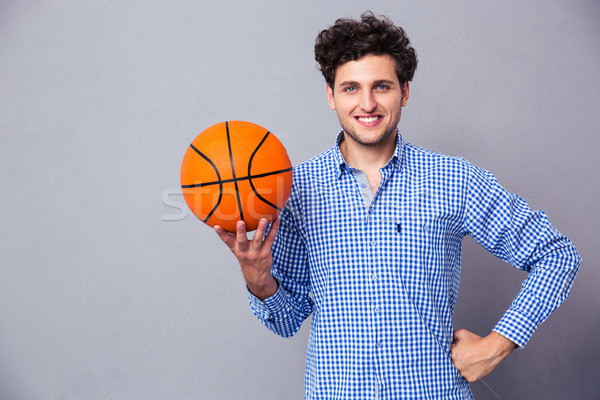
x=369, y=120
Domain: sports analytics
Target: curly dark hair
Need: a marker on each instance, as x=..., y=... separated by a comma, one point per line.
x=349, y=40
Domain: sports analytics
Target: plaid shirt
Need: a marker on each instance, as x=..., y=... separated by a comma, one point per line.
x=382, y=279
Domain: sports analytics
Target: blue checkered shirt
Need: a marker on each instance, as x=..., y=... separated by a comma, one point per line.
x=381, y=279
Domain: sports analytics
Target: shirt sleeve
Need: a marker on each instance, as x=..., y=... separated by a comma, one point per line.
x=506, y=226
x=284, y=312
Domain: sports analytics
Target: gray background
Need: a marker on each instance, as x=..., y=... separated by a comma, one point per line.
x=109, y=290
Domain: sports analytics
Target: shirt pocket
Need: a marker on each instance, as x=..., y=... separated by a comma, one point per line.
x=431, y=240
x=428, y=267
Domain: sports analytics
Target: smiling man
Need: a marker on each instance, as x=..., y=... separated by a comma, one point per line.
x=368, y=98
x=370, y=239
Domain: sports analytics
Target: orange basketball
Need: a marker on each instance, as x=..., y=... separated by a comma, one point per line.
x=233, y=171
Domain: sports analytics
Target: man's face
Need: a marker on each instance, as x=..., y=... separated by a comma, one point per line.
x=368, y=99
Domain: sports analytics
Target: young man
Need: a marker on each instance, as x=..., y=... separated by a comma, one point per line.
x=370, y=241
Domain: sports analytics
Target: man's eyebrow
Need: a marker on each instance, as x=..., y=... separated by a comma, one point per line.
x=348, y=83
x=377, y=82
x=383, y=82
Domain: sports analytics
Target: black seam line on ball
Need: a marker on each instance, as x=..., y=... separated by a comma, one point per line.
x=250, y=180
x=243, y=178
x=219, y=182
x=237, y=192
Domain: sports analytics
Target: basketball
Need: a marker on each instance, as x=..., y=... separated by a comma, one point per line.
x=236, y=170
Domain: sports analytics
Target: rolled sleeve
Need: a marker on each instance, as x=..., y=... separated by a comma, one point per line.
x=272, y=308
x=521, y=320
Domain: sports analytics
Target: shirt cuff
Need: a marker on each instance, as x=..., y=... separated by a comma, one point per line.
x=272, y=308
x=521, y=320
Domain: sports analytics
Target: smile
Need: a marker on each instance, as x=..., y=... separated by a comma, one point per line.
x=368, y=119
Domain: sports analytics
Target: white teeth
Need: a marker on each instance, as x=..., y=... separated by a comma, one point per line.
x=368, y=119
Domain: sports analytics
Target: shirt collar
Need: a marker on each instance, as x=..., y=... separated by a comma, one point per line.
x=342, y=166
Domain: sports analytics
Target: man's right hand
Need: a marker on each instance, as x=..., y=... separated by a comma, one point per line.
x=254, y=255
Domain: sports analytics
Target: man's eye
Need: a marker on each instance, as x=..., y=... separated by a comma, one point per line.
x=350, y=89
x=382, y=87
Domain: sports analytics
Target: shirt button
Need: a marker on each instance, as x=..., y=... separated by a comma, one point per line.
x=373, y=243
x=374, y=277
x=378, y=344
x=377, y=310
x=363, y=185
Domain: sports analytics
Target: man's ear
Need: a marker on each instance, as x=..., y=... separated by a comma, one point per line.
x=405, y=93
x=330, y=97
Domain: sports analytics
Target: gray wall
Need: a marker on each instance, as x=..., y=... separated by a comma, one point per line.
x=109, y=290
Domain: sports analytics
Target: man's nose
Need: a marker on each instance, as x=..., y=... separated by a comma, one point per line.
x=367, y=102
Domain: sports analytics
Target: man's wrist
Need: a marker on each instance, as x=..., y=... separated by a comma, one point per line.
x=501, y=345
x=264, y=290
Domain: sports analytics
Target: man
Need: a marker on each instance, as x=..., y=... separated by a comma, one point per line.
x=370, y=241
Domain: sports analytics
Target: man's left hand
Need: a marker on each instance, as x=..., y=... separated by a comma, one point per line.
x=475, y=356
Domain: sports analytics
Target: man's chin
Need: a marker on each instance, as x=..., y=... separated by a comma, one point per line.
x=371, y=139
